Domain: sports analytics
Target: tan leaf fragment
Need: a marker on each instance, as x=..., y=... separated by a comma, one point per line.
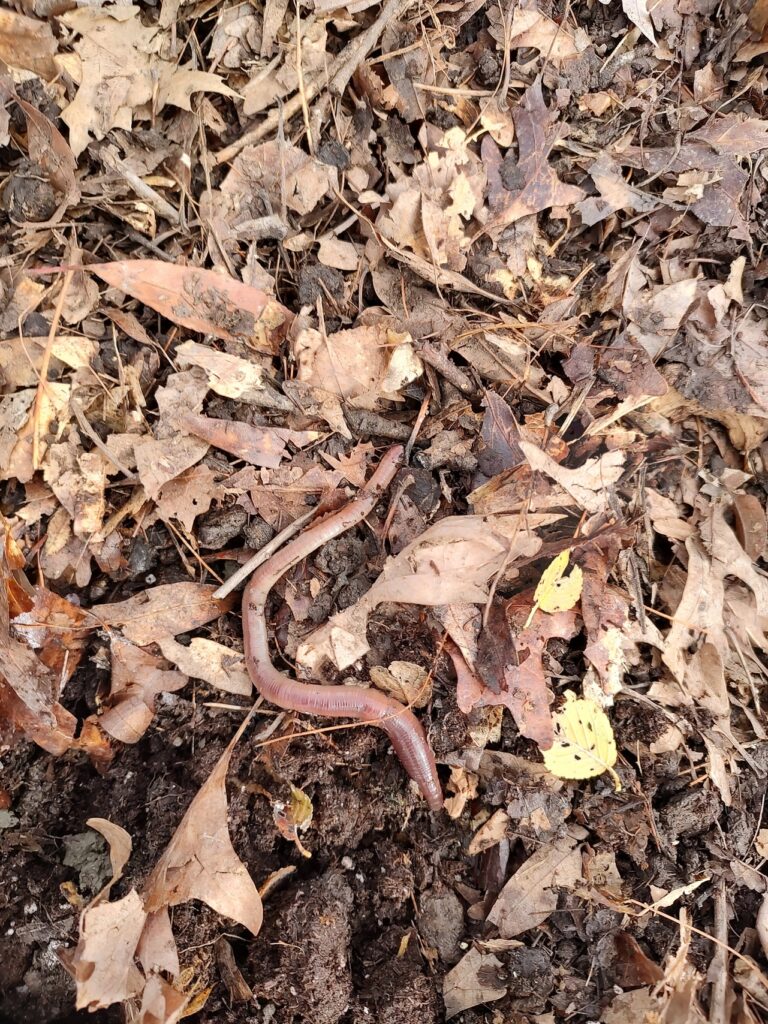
x=407, y=682
x=137, y=678
x=120, y=846
x=586, y=484
x=159, y=462
x=28, y=43
x=187, y=496
x=103, y=962
x=214, y=663
x=476, y=978
x=228, y=375
x=200, y=862
x=638, y=14
x=531, y=895
x=363, y=365
x=162, y=611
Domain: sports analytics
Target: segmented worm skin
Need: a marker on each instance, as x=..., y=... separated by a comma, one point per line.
x=372, y=706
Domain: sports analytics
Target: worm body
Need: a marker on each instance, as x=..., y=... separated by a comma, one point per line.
x=372, y=706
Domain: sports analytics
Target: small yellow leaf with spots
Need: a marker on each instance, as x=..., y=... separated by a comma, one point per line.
x=557, y=592
x=584, y=744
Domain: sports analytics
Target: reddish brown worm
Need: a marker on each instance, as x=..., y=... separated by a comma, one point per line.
x=371, y=706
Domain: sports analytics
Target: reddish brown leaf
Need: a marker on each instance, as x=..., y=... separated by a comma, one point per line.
x=260, y=446
x=137, y=678
x=202, y=300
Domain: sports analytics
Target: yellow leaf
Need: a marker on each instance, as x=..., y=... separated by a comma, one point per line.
x=584, y=744
x=557, y=592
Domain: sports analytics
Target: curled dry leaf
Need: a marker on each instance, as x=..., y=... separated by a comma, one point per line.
x=200, y=862
x=260, y=446
x=449, y=563
x=163, y=611
x=408, y=683
x=202, y=300
x=214, y=663
x=588, y=483
x=137, y=678
x=120, y=846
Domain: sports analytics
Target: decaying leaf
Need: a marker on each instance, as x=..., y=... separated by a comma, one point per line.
x=449, y=563
x=200, y=862
x=201, y=300
x=477, y=978
x=163, y=611
x=137, y=678
x=212, y=662
x=531, y=894
x=103, y=963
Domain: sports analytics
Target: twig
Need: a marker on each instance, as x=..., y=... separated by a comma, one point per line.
x=718, y=968
x=144, y=191
x=262, y=555
x=339, y=75
x=42, y=384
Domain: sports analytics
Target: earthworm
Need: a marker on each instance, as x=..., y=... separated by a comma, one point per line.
x=371, y=706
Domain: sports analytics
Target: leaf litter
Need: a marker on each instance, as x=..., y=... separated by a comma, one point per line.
x=245, y=251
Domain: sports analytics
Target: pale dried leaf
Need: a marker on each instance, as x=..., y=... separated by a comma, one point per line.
x=200, y=862
x=163, y=611
x=103, y=962
x=531, y=894
x=588, y=483
x=137, y=678
x=449, y=563
x=476, y=978
x=212, y=662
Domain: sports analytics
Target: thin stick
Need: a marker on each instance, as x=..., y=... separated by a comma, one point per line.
x=262, y=555
x=42, y=385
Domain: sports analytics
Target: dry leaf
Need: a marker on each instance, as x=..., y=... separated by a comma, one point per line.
x=259, y=446
x=364, y=365
x=103, y=962
x=28, y=43
x=588, y=483
x=137, y=678
x=637, y=12
x=406, y=682
x=584, y=746
x=163, y=611
x=449, y=563
x=200, y=862
x=490, y=833
x=531, y=894
x=539, y=188
x=214, y=663
x=201, y=300
x=477, y=978
x=120, y=846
